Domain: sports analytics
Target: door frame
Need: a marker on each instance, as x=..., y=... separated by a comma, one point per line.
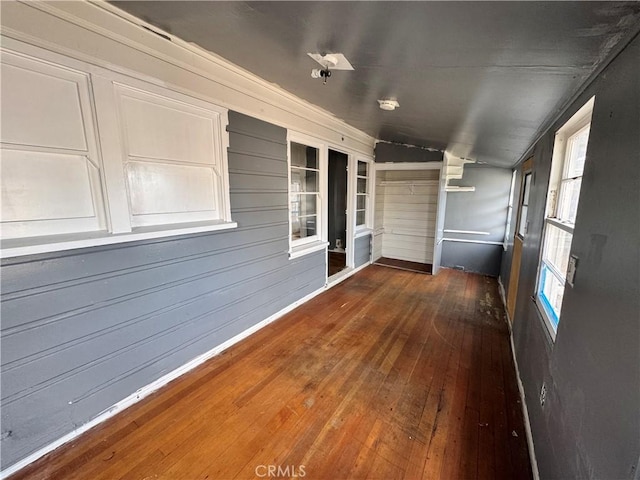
x=518, y=242
x=440, y=203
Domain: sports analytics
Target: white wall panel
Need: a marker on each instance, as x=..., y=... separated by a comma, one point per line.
x=160, y=128
x=50, y=162
x=171, y=156
x=165, y=188
x=28, y=192
x=41, y=104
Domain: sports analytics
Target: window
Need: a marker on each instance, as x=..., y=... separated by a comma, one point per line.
x=362, y=193
x=512, y=189
x=524, y=207
x=89, y=155
x=304, y=193
x=569, y=154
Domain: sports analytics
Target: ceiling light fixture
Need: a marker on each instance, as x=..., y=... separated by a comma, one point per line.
x=329, y=61
x=388, y=105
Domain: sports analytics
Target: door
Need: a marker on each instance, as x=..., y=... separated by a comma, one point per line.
x=520, y=235
x=337, y=213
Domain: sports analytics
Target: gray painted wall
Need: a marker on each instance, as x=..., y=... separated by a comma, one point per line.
x=83, y=329
x=391, y=152
x=589, y=426
x=362, y=253
x=484, y=210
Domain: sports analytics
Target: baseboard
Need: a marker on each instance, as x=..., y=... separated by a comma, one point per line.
x=503, y=296
x=164, y=380
x=525, y=410
x=525, y=413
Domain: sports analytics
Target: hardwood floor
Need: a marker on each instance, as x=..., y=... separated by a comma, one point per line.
x=337, y=262
x=405, y=265
x=390, y=375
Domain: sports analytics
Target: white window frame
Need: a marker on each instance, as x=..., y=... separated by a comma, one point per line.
x=105, y=122
x=367, y=225
x=512, y=192
x=317, y=242
x=559, y=166
x=522, y=225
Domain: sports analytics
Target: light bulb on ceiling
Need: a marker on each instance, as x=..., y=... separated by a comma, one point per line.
x=388, y=105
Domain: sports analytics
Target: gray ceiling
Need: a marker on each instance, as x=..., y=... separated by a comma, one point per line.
x=477, y=78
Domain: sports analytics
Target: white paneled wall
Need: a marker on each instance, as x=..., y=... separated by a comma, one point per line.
x=90, y=153
x=406, y=213
x=50, y=161
x=170, y=162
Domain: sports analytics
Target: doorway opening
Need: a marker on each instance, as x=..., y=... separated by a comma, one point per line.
x=337, y=218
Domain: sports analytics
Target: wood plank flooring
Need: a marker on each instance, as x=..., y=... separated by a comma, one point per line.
x=389, y=375
x=405, y=265
x=337, y=262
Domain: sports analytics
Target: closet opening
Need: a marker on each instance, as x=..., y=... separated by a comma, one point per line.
x=337, y=212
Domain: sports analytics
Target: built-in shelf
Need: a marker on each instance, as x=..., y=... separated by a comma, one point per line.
x=409, y=182
x=456, y=188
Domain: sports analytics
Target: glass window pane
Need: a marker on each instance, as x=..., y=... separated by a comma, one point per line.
x=360, y=217
x=551, y=292
x=522, y=227
x=568, y=200
x=361, y=202
x=577, y=152
x=302, y=227
x=362, y=185
x=527, y=189
x=304, y=180
x=557, y=247
x=304, y=156
x=309, y=205
x=302, y=205
x=362, y=169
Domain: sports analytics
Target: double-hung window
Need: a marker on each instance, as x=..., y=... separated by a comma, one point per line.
x=362, y=193
x=304, y=193
x=570, y=151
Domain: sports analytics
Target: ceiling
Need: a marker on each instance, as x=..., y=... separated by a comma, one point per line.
x=477, y=78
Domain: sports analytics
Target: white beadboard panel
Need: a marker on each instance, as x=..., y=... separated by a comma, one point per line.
x=41, y=104
x=419, y=228
x=377, y=247
x=160, y=188
x=33, y=204
x=409, y=210
x=406, y=213
x=161, y=128
x=405, y=199
x=413, y=190
x=422, y=253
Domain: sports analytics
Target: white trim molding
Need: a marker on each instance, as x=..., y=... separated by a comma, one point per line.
x=35, y=245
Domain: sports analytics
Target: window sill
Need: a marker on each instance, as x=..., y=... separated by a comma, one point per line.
x=306, y=249
x=363, y=232
x=55, y=243
x=550, y=333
